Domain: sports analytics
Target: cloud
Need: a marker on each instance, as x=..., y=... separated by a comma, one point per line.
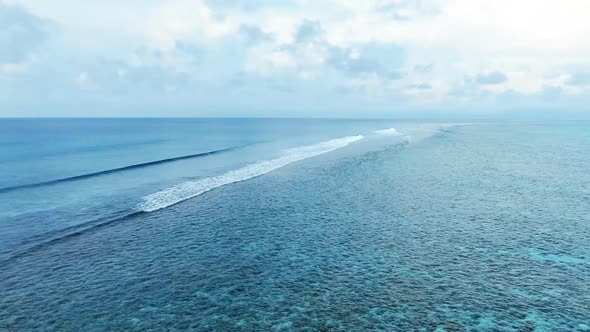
x=82, y=79
x=191, y=51
x=361, y=53
x=363, y=65
x=404, y=10
x=311, y=55
x=578, y=79
x=253, y=34
x=421, y=86
x=468, y=88
x=378, y=58
x=21, y=33
x=116, y=80
x=382, y=59
x=396, y=75
x=551, y=92
x=248, y=5
x=187, y=20
x=490, y=78
x=308, y=30
x=424, y=69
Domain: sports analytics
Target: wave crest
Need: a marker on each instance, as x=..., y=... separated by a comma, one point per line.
x=190, y=189
x=120, y=169
x=389, y=132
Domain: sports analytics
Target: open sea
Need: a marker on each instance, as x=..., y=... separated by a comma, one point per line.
x=293, y=225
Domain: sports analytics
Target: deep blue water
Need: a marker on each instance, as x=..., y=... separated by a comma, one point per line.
x=293, y=225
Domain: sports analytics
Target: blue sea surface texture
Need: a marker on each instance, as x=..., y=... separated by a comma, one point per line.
x=293, y=225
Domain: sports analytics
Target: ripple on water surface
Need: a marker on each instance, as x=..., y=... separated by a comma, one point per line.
x=436, y=236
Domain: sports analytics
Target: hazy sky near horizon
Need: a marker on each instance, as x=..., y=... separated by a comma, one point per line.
x=293, y=57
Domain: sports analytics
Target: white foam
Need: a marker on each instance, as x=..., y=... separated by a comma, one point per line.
x=190, y=189
x=389, y=132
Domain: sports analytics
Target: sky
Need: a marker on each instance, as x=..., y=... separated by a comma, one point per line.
x=302, y=58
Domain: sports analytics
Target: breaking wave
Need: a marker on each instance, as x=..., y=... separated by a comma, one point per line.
x=190, y=189
x=389, y=132
x=120, y=169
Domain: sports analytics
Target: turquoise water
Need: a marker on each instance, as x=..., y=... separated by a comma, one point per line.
x=317, y=225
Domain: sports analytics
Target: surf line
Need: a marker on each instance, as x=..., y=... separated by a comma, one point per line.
x=120, y=169
x=190, y=189
x=68, y=233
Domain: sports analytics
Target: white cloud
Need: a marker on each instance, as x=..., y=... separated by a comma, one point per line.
x=188, y=20
x=21, y=33
x=491, y=78
x=83, y=80
x=388, y=50
x=14, y=68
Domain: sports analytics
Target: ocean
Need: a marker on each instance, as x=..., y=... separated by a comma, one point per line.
x=293, y=225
